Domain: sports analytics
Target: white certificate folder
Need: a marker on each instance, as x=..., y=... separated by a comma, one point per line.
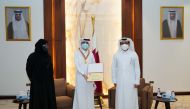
x=95, y=72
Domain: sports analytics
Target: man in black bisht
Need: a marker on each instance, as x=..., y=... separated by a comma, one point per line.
x=40, y=72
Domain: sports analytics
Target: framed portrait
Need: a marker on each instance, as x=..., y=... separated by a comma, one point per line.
x=172, y=22
x=18, y=23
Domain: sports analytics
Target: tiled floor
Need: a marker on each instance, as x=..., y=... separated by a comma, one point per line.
x=182, y=103
x=7, y=104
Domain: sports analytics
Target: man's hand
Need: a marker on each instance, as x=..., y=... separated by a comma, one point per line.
x=136, y=86
x=115, y=84
x=85, y=76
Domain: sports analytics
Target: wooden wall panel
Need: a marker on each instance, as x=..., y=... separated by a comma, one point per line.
x=48, y=23
x=57, y=39
x=63, y=38
x=138, y=31
x=57, y=20
x=54, y=30
x=127, y=17
x=138, y=19
x=59, y=58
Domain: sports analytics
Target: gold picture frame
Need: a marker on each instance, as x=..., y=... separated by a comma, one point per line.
x=18, y=23
x=171, y=22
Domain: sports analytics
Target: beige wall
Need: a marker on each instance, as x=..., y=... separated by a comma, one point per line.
x=166, y=62
x=13, y=54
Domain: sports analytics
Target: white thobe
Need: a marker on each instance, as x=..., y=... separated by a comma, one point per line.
x=20, y=28
x=84, y=91
x=126, y=73
x=173, y=28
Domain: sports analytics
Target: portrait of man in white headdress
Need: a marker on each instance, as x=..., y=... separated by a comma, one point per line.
x=172, y=23
x=17, y=21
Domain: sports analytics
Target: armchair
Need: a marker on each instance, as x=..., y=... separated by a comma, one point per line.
x=64, y=94
x=145, y=95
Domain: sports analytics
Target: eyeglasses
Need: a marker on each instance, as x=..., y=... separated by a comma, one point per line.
x=124, y=42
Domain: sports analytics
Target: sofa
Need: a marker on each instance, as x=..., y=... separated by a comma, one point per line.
x=64, y=94
x=145, y=95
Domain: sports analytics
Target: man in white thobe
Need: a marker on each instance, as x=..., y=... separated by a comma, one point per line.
x=84, y=91
x=126, y=75
x=18, y=28
x=171, y=26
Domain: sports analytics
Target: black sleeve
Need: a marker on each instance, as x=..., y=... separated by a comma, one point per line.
x=28, y=28
x=179, y=29
x=29, y=66
x=10, y=31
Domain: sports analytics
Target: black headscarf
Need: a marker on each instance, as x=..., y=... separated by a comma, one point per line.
x=39, y=47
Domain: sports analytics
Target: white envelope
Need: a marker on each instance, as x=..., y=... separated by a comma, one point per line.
x=95, y=72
